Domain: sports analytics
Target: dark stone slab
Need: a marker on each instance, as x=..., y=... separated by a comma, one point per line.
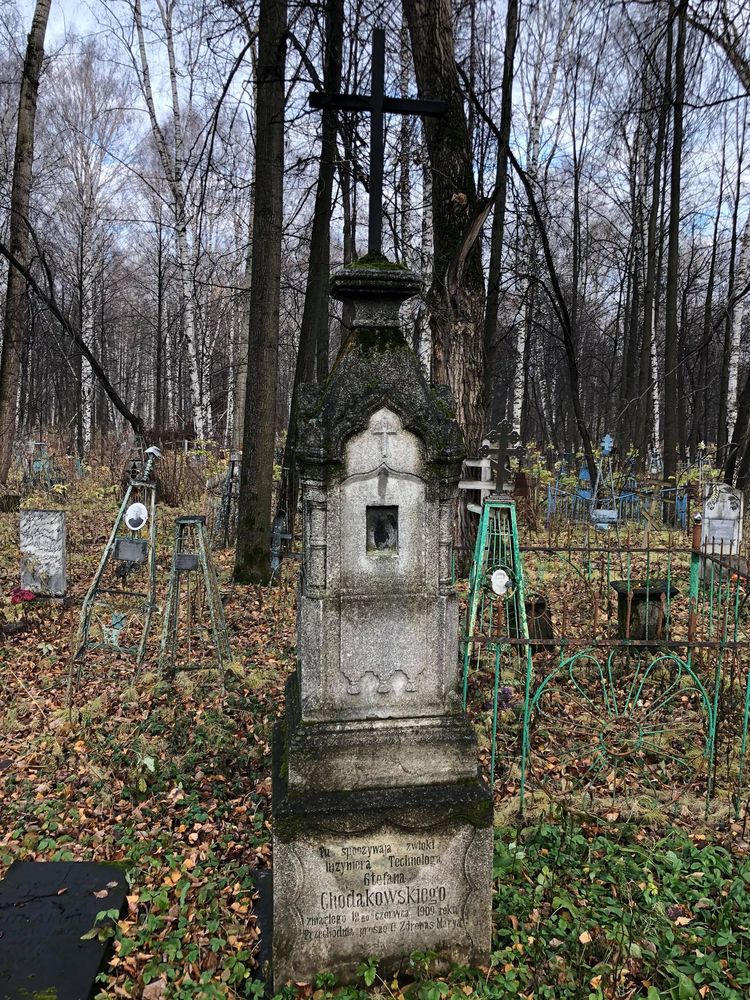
x=45, y=909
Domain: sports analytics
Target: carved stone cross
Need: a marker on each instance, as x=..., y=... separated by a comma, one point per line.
x=383, y=432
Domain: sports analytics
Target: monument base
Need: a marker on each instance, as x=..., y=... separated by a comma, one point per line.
x=378, y=874
x=376, y=753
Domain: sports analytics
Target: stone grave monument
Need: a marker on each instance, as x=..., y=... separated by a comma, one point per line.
x=382, y=824
x=721, y=524
x=43, y=544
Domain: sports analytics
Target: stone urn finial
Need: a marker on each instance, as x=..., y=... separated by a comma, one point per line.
x=376, y=288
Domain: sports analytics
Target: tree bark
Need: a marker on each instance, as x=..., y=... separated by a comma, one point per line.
x=671, y=327
x=455, y=300
x=721, y=429
x=252, y=562
x=456, y=312
x=15, y=299
x=736, y=316
x=649, y=295
x=312, y=354
x=491, y=345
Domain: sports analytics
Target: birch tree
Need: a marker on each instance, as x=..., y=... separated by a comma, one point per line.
x=88, y=118
x=171, y=148
x=550, y=36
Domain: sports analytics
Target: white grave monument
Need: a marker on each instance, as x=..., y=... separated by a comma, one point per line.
x=721, y=525
x=43, y=552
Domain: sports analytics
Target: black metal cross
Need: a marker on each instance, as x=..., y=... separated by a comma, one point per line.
x=378, y=105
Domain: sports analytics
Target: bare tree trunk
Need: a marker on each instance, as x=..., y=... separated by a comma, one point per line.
x=312, y=355
x=252, y=563
x=160, y=369
x=15, y=299
x=738, y=312
x=721, y=431
x=456, y=313
x=240, y=351
x=648, y=356
x=491, y=345
x=700, y=423
x=671, y=326
x=87, y=332
x=406, y=253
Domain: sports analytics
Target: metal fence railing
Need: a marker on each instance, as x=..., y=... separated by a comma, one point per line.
x=614, y=674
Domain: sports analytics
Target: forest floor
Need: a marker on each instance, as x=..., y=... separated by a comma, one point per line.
x=172, y=782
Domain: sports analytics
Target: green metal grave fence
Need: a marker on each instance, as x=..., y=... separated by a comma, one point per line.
x=617, y=678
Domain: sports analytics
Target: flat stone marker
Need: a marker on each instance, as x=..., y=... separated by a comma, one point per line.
x=45, y=908
x=721, y=526
x=44, y=552
x=382, y=824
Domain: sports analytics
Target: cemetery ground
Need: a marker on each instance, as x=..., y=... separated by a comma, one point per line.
x=171, y=781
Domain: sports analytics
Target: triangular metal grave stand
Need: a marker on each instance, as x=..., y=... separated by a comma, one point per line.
x=496, y=608
x=129, y=551
x=192, y=588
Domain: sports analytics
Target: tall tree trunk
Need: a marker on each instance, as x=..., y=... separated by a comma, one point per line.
x=648, y=356
x=15, y=299
x=240, y=350
x=491, y=345
x=252, y=563
x=700, y=423
x=160, y=372
x=737, y=313
x=631, y=311
x=671, y=327
x=86, y=291
x=721, y=430
x=403, y=235
x=312, y=355
x=455, y=313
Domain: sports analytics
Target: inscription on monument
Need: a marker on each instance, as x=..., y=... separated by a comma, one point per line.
x=391, y=892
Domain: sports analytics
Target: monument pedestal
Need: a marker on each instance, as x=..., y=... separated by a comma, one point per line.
x=379, y=873
x=375, y=753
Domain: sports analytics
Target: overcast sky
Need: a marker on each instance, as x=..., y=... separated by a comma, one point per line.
x=66, y=17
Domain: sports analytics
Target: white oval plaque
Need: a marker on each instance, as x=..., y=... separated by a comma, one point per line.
x=499, y=582
x=136, y=516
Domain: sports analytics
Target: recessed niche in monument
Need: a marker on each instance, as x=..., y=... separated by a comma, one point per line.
x=382, y=529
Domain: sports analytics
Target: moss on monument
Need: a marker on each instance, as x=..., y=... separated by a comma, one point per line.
x=375, y=260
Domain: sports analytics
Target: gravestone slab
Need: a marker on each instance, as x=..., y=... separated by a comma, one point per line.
x=721, y=525
x=45, y=908
x=43, y=552
x=382, y=825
